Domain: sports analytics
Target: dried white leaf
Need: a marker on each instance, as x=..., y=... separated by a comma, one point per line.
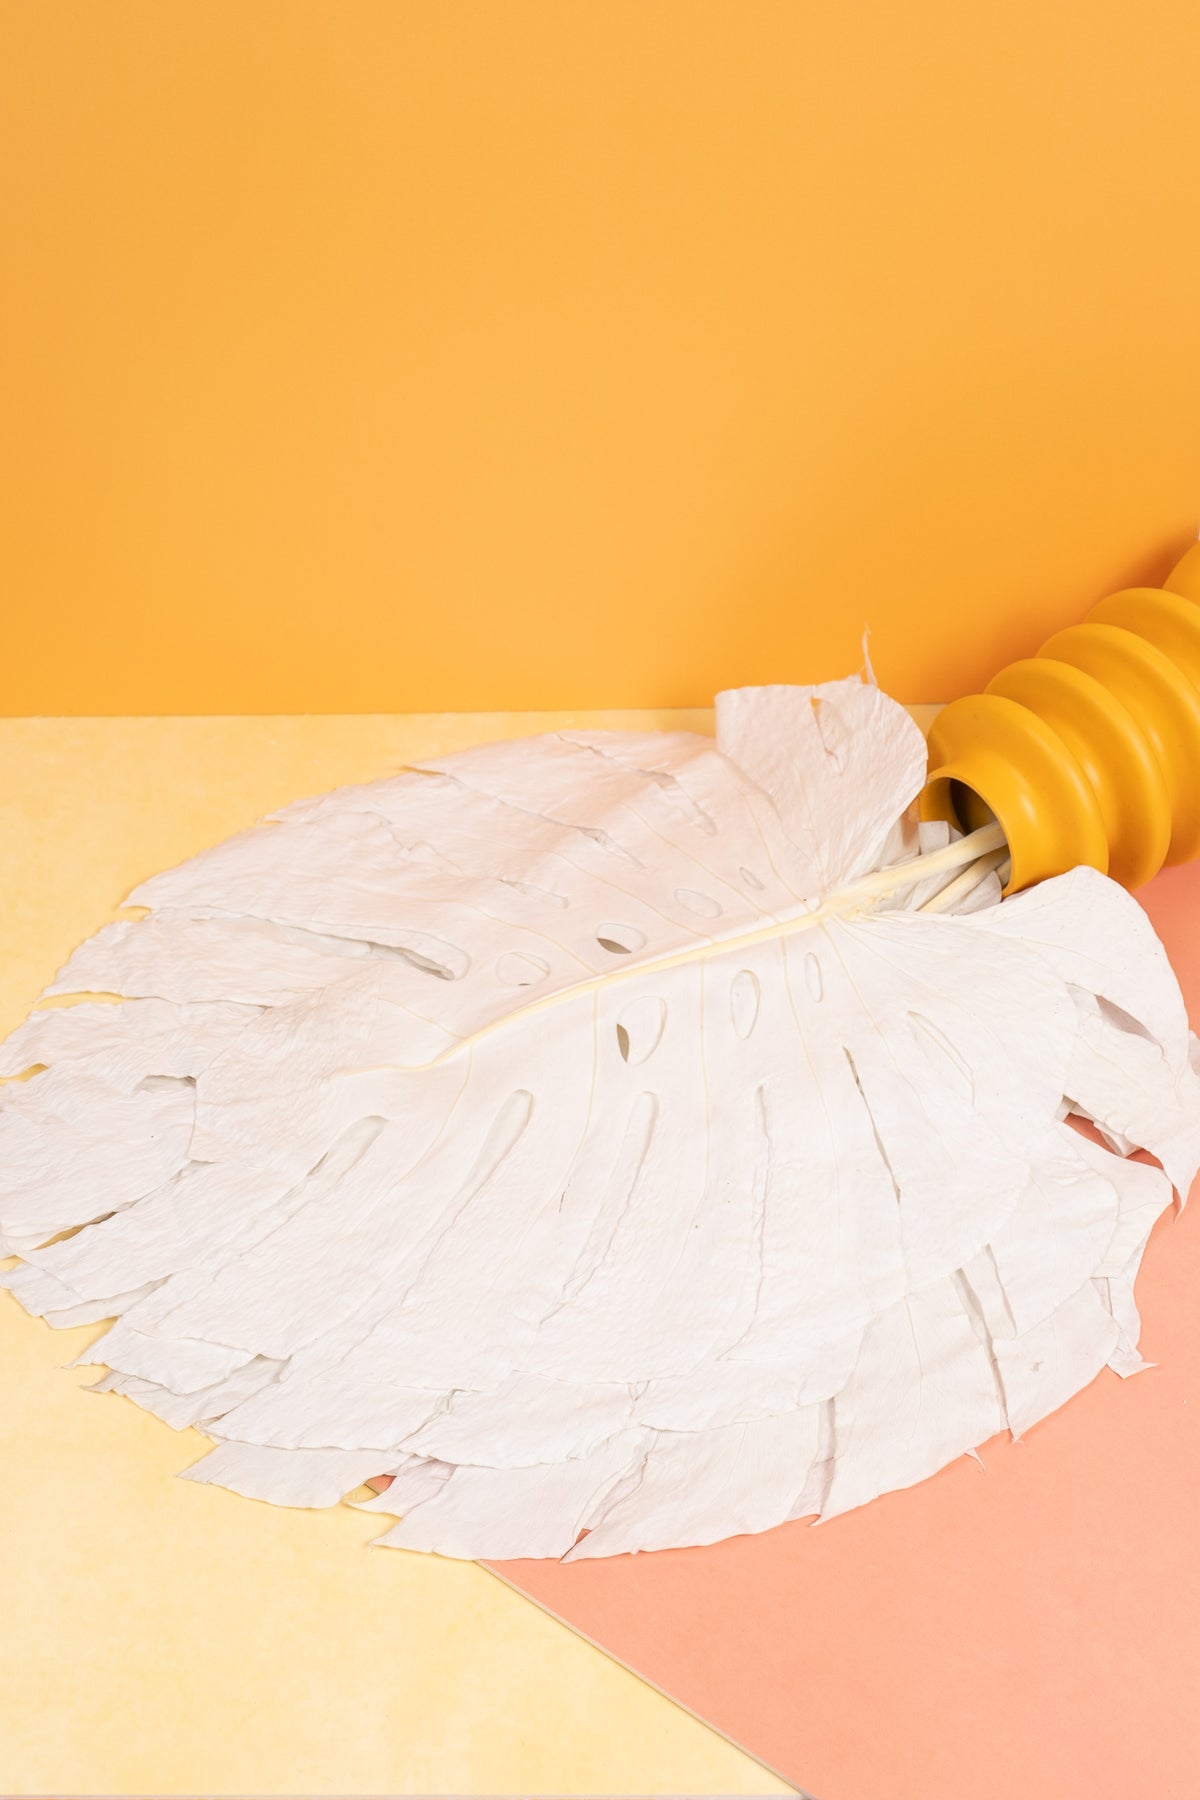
x=541, y=1128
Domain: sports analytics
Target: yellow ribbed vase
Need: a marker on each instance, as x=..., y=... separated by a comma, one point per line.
x=1088, y=752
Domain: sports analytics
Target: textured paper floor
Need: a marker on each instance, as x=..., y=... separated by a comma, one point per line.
x=1030, y=1627
x=162, y=1637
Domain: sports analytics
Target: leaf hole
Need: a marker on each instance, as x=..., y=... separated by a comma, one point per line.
x=751, y=880
x=619, y=940
x=1123, y=1021
x=23, y=1075
x=880, y=1146
x=640, y=1029
x=604, y=841
x=940, y=1052
x=744, y=995
x=516, y=969
x=703, y=905
x=814, y=981
x=432, y=956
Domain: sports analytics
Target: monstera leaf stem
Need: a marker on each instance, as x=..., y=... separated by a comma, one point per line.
x=968, y=879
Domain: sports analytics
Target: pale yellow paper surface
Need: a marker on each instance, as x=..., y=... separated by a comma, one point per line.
x=162, y=1636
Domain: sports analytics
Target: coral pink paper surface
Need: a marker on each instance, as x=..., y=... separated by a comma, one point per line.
x=1031, y=1627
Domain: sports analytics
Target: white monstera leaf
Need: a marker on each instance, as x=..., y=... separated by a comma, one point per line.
x=582, y=1132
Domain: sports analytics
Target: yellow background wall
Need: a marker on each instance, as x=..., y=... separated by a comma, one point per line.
x=368, y=355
